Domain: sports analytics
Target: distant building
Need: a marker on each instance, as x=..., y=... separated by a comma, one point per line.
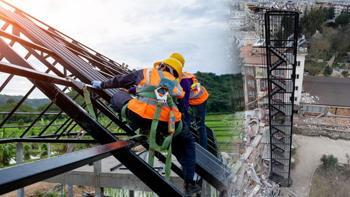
x=255, y=75
x=338, y=5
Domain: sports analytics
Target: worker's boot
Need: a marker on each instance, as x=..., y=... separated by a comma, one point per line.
x=192, y=188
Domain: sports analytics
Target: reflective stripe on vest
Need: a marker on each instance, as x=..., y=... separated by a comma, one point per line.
x=146, y=106
x=196, y=97
x=195, y=94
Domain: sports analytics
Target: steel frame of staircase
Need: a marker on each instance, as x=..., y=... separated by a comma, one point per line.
x=281, y=36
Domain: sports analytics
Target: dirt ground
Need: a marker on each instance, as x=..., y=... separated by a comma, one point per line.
x=309, y=152
x=331, y=182
x=30, y=190
x=46, y=187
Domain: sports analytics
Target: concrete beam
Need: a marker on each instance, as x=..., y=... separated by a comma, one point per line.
x=97, y=171
x=19, y=160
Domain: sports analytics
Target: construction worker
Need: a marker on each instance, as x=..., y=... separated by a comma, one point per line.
x=151, y=84
x=196, y=97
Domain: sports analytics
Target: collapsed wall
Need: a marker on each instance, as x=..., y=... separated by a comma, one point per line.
x=324, y=120
x=252, y=169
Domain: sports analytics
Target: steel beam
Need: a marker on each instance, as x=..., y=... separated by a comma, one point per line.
x=33, y=74
x=26, y=174
x=46, y=140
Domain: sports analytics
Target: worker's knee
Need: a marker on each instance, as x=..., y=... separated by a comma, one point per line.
x=119, y=99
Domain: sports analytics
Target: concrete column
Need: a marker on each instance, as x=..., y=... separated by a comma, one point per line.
x=19, y=160
x=70, y=190
x=97, y=171
x=48, y=150
x=206, y=190
x=131, y=193
x=63, y=192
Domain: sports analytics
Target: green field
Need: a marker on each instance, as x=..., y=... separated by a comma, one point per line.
x=227, y=129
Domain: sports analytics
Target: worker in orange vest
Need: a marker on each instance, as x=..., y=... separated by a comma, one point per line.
x=196, y=97
x=154, y=87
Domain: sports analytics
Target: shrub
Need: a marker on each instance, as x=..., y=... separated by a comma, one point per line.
x=328, y=71
x=343, y=19
x=329, y=162
x=345, y=73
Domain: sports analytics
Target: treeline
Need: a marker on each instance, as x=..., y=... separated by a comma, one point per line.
x=332, y=39
x=8, y=103
x=226, y=92
x=313, y=20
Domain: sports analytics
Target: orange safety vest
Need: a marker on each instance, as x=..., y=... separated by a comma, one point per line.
x=146, y=107
x=198, y=94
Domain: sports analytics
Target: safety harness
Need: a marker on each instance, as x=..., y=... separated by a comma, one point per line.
x=87, y=99
x=160, y=97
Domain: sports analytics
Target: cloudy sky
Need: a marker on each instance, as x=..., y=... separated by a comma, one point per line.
x=140, y=32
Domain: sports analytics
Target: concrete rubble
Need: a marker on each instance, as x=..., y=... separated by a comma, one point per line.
x=307, y=98
x=251, y=170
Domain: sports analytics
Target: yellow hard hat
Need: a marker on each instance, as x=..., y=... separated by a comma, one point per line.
x=172, y=63
x=179, y=57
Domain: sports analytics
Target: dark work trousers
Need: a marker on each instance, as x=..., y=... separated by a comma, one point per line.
x=182, y=145
x=199, y=115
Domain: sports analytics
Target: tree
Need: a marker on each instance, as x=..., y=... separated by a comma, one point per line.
x=329, y=13
x=328, y=71
x=343, y=19
x=319, y=47
x=27, y=149
x=312, y=21
x=7, y=151
x=226, y=91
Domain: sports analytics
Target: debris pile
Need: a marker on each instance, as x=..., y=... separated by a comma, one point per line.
x=307, y=98
x=251, y=170
x=324, y=122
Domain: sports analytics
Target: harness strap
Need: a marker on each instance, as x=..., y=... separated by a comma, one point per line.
x=87, y=99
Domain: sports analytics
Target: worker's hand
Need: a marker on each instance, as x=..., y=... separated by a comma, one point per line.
x=97, y=84
x=123, y=89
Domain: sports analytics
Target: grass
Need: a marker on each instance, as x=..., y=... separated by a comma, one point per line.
x=333, y=182
x=227, y=129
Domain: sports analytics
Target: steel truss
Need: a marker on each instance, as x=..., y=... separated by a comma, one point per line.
x=70, y=64
x=281, y=29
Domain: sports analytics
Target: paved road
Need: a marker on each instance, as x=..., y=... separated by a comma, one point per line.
x=309, y=152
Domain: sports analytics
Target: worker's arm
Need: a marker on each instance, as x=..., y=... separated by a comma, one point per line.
x=124, y=81
x=184, y=102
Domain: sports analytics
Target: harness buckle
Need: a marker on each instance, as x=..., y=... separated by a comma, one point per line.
x=161, y=98
x=196, y=86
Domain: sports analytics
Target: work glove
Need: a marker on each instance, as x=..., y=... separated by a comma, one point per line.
x=97, y=84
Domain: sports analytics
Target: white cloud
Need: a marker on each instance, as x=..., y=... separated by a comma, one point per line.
x=140, y=32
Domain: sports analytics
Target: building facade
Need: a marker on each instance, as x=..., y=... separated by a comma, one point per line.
x=255, y=76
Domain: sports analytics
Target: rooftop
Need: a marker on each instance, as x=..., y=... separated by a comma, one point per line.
x=252, y=55
x=331, y=91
